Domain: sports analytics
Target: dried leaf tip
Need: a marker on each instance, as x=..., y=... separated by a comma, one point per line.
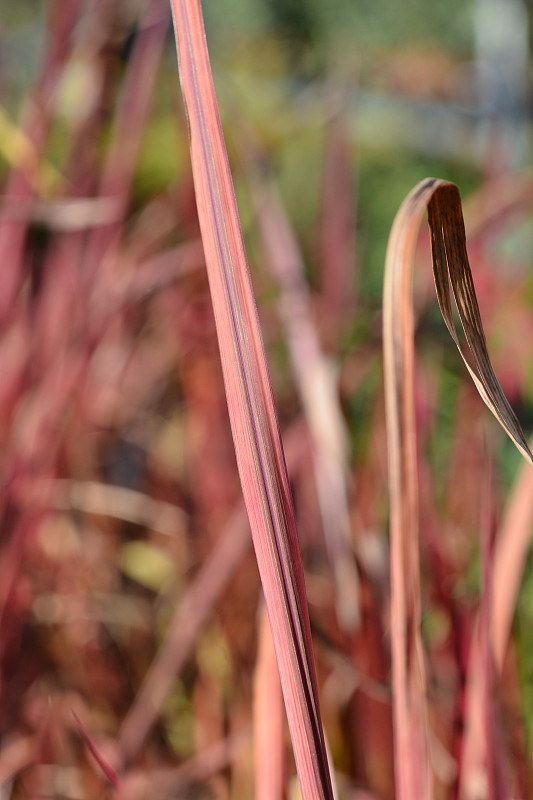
x=451, y=267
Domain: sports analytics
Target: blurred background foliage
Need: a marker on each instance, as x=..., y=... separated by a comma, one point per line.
x=405, y=75
x=418, y=88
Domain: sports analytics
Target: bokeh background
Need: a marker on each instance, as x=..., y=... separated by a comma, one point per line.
x=125, y=556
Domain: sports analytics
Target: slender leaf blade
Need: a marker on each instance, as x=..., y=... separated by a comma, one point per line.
x=453, y=277
x=253, y=419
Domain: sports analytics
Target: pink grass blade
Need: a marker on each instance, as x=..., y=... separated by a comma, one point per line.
x=337, y=232
x=178, y=781
x=136, y=96
x=106, y=768
x=472, y=782
x=17, y=755
x=413, y=778
x=484, y=760
x=498, y=205
x=486, y=667
x=36, y=119
x=159, y=271
x=451, y=272
x=120, y=502
x=316, y=385
x=251, y=409
x=189, y=618
x=269, y=720
x=510, y=552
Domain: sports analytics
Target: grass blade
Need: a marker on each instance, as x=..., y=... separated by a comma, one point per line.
x=190, y=616
x=128, y=127
x=36, y=120
x=337, y=227
x=408, y=671
x=450, y=269
x=315, y=380
x=251, y=409
x=269, y=720
x=511, y=548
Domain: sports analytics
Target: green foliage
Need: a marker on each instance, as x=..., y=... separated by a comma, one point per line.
x=365, y=22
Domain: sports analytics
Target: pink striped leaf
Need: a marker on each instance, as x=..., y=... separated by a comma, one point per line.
x=252, y=414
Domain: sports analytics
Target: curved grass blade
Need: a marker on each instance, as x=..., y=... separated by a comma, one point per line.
x=451, y=270
x=252, y=414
